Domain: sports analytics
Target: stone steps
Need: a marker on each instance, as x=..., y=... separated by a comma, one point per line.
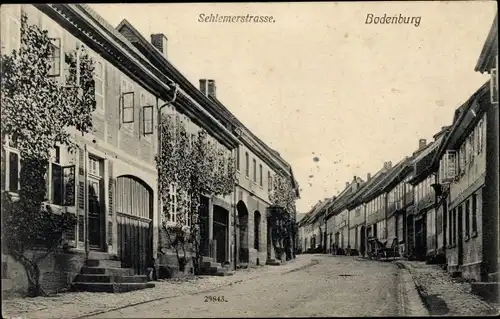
x=103, y=273
x=211, y=268
x=273, y=262
x=110, y=278
x=111, y=287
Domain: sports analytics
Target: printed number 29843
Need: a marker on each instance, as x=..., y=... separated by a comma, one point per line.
x=215, y=299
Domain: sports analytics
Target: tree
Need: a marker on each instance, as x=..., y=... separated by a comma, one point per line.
x=282, y=221
x=195, y=167
x=36, y=113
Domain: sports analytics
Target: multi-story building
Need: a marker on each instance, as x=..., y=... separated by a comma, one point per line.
x=305, y=227
x=116, y=198
x=114, y=167
x=393, y=186
x=375, y=202
x=337, y=217
x=216, y=211
x=357, y=214
x=463, y=171
x=424, y=214
x=488, y=63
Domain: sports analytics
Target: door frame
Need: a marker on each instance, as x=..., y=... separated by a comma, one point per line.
x=460, y=244
x=99, y=180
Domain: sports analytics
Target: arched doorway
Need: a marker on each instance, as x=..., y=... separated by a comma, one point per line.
x=134, y=215
x=256, y=227
x=221, y=233
x=243, y=231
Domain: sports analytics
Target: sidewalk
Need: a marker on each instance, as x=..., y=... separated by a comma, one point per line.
x=444, y=295
x=80, y=304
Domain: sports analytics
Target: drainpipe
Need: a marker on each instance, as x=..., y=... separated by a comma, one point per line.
x=86, y=200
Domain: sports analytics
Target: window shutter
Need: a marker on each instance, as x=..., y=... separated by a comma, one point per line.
x=494, y=84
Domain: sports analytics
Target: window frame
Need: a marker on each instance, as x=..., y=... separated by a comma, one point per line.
x=145, y=132
x=247, y=165
x=102, y=78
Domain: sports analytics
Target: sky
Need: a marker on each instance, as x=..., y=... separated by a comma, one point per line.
x=320, y=83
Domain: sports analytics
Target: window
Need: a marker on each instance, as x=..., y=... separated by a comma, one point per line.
x=467, y=218
x=494, y=84
x=147, y=114
x=11, y=31
x=55, y=68
x=147, y=117
x=238, y=159
x=99, y=84
x=94, y=166
x=474, y=213
x=462, y=158
x=127, y=100
x=260, y=175
x=254, y=162
x=172, y=213
x=481, y=136
x=247, y=164
x=269, y=181
x=14, y=168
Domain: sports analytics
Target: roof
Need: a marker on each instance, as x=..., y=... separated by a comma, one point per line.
x=463, y=117
x=366, y=189
x=393, y=177
x=216, y=107
x=486, y=60
x=308, y=215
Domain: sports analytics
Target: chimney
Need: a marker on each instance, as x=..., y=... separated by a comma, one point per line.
x=159, y=40
x=211, y=88
x=346, y=184
x=422, y=143
x=387, y=165
x=368, y=176
x=203, y=86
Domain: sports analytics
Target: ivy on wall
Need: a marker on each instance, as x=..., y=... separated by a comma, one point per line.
x=36, y=112
x=197, y=168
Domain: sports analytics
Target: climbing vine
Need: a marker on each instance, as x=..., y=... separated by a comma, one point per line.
x=283, y=230
x=36, y=112
x=194, y=166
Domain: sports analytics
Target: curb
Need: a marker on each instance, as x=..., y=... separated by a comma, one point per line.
x=311, y=263
x=423, y=305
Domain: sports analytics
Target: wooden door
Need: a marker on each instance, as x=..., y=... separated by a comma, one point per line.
x=134, y=211
x=95, y=228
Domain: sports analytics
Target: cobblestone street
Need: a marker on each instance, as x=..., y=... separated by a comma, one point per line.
x=77, y=304
x=445, y=295
x=335, y=286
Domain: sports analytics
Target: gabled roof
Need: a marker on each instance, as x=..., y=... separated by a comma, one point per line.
x=486, y=60
x=308, y=215
x=321, y=208
x=366, y=189
x=339, y=204
x=394, y=176
x=463, y=118
x=422, y=166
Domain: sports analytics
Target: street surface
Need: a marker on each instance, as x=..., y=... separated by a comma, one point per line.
x=334, y=286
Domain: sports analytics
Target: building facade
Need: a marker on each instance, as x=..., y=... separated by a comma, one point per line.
x=116, y=192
